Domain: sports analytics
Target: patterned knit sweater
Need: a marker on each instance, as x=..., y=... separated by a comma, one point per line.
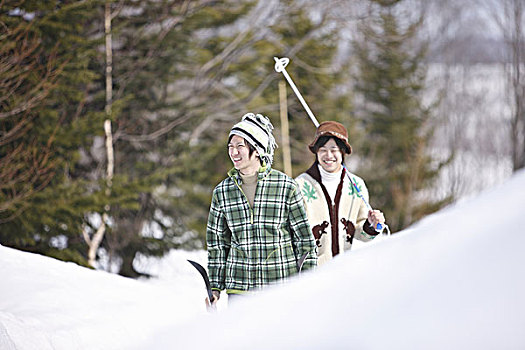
x=335, y=223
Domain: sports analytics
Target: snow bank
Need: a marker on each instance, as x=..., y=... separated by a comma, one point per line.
x=49, y=304
x=454, y=280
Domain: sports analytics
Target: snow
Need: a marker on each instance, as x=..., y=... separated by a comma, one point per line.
x=454, y=280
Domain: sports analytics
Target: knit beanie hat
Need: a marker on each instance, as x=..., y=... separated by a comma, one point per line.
x=331, y=128
x=257, y=130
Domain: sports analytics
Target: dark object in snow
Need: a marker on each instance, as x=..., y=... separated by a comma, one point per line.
x=204, y=275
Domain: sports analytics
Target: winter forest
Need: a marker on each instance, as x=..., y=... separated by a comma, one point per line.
x=114, y=115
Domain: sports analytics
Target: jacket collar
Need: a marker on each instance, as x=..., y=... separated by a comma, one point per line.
x=313, y=171
x=262, y=172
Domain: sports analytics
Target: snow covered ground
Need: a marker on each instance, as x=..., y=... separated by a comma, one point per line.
x=455, y=280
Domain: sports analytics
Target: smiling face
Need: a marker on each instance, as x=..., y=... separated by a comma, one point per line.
x=239, y=153
x=330, y=157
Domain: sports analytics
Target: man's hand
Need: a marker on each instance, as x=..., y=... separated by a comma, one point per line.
x=213, y=305
x=376, y=217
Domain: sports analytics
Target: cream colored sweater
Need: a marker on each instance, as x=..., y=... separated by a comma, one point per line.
x=335, y=221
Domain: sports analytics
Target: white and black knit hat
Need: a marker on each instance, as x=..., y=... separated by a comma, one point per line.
x=257, y=130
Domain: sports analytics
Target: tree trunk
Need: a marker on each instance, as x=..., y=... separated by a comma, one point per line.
x=94, y=242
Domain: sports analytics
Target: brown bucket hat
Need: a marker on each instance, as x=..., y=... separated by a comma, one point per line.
x=331, y=128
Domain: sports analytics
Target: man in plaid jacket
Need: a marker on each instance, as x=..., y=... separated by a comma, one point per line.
x=257, y=227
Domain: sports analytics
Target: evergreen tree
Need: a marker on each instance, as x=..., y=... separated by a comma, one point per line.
x=183, y=73
x=158, y=93
x=248, y=82
x=160, y=90
x=46, y=59
x=249, y=64
x=391, y=79
x=312, y=48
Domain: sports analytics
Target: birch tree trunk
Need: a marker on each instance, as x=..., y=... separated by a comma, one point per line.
x=94, y=242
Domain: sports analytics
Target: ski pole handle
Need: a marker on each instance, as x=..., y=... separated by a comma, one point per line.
x=280, y=67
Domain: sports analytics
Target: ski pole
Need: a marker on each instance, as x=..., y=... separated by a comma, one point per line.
x=280, y=67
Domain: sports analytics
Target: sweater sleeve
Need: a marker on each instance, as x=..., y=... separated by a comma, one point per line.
x=302, y=237
x=218, y=239
x=364, y=231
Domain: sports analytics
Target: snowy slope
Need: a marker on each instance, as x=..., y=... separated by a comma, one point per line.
x=455, y=280
x=49, y=304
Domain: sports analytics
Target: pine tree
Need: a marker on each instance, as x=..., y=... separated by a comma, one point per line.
x=248, y=83
x=396, y=165
x=312, y=50
x=183, y=73
x=45, y=125
x=157, y=95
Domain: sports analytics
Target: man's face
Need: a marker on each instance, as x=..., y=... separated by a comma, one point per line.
x=330, y=157
x=239, y=154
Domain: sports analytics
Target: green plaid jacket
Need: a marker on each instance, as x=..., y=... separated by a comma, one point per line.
x=252, y=247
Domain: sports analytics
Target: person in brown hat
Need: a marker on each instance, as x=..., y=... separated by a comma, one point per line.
x=335, y=211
